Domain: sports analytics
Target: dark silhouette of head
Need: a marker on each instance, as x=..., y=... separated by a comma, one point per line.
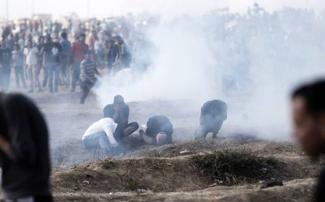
x=109, y=111
x=308, y=107
x=118, y=99
x=64, y=35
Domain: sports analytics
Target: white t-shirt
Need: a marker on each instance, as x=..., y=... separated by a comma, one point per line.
x=106, y=125
x=31, y=57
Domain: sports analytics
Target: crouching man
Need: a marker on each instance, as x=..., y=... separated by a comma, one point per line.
x=159, y=130
x=24, y=150
x=213, y=114
x=103, y=134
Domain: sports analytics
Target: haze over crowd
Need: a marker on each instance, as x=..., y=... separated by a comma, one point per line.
x=251, y=59
x=103, y=8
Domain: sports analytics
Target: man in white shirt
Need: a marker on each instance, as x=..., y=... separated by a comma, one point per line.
x=102, y=133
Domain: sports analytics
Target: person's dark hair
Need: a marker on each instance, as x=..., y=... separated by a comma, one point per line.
x=118, y=99
x=314, y=96
x=109, y=111
x=64, y=35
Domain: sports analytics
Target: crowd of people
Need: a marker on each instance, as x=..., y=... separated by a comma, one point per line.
x=46, y=55
x=53, y=56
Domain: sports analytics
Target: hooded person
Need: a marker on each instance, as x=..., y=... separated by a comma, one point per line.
x=159, y=130
x=213, y=114
x=122, y=110
x=66, y=57
x=102, y=134
x=121, y=115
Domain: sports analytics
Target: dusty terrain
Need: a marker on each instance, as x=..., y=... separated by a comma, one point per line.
x=233, y=167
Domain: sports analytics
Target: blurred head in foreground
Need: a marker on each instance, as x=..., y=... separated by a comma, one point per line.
x=308, y=107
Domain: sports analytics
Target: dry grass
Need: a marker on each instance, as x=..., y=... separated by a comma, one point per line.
x=233, y=167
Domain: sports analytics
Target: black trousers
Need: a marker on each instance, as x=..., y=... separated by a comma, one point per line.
x=119, y=133
x=85, y=89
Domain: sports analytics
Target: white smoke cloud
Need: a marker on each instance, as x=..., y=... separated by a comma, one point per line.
x=183, y=68
x=252, y=62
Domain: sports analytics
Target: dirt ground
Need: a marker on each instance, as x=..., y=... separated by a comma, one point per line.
x=212, y=170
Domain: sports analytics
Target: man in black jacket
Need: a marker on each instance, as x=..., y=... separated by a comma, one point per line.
x=308, y=104
x=213, y=114
x=24, y=150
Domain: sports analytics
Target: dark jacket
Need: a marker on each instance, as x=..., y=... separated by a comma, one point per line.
x=120, y=115
x=119, y=112
x=157, y=124
x=27, y=172
x=52, y=52
x=212, y=112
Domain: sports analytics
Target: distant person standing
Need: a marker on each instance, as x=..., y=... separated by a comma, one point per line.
x=112, y=53
x=92, y=40
x=213, y=114
x=99, y=52
x=40, y=62
x=308, y=106
x=87, y=76
x=6, y=62
x=32, y=67
x=79, y=49
x=18, y=60
x=24, y=150
x=52, y=59
x=66, y=58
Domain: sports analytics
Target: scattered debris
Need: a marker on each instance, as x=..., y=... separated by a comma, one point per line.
x=271, y=183
x=185, y=152
x=141, y=191
x=213, y=185
x=86, y=182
